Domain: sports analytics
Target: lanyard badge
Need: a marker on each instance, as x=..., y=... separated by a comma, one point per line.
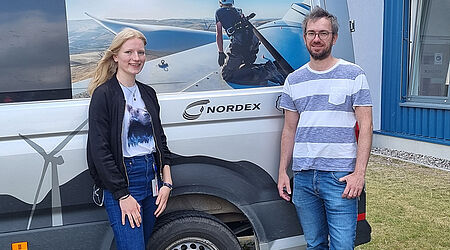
x=155, y=187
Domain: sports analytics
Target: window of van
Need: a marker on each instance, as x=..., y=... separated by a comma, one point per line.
x=182, y=54
x=33, y=51
x=49, y=51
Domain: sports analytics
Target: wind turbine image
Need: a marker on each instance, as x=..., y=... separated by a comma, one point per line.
x=57, y=219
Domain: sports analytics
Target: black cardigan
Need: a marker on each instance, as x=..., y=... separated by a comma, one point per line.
x=104, y=146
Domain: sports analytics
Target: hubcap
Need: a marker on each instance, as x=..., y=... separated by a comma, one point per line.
x=192, y=243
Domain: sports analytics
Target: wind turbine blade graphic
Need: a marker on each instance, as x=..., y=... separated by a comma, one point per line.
x=55, y=161
x=46, y=163
x=68, y=138
x=36, y=147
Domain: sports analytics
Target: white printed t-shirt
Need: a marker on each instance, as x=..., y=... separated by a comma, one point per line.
x=137, y=131
x=325, y=137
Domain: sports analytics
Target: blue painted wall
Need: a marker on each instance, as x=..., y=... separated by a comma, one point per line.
x=417, y=123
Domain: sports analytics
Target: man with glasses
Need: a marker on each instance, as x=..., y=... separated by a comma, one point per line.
x=323, y=101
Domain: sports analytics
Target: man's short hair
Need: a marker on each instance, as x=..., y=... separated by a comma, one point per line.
x=318, y=13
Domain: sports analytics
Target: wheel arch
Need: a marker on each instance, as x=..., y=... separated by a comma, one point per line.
x=242, y=184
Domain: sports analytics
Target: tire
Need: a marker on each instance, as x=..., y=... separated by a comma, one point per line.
x=183, y=230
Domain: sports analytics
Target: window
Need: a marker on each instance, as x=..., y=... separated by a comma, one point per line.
x=430, y=52
x=49, y=51
x=182, y=54
x=33, y=51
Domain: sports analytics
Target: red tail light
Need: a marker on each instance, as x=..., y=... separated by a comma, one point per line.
x=361, y=216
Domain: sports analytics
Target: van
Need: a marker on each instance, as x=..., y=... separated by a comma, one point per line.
x=225, y=135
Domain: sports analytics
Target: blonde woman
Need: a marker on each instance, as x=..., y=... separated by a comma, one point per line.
x=127, y=150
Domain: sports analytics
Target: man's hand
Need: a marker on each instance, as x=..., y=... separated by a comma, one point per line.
x=287, y=146
x=161, y=201
x=131, y=208
x=355, y=185
x=221, y=60
x=284, y=186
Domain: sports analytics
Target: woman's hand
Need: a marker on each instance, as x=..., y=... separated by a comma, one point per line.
x=131, y=208
x=161, y=200
x=164, y=192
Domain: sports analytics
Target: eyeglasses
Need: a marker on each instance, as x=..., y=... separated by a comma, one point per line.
x=310, y=35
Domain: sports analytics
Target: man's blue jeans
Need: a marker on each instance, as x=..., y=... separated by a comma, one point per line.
x=140, y=174
x=322, y=211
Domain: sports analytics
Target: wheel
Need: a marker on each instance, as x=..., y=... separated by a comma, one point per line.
x=183, y=230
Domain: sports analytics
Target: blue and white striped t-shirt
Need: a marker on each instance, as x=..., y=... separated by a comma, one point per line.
x=325, y=137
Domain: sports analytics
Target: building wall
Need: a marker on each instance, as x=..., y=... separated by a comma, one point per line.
x=423, y=122
x=413, y=129
x=368, y=43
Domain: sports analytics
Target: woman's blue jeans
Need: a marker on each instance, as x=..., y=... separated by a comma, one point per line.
x=323, y=212
x=140, y=174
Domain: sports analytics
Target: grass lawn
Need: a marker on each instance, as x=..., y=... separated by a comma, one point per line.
x=408, y=206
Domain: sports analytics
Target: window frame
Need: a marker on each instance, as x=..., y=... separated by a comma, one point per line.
x=414, y=10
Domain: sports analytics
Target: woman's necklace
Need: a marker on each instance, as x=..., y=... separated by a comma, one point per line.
x=132, y=91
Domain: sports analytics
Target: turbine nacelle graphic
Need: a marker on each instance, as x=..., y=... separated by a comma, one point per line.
x=58, y=160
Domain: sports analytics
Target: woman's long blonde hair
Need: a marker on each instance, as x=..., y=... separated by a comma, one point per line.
x=107, y=67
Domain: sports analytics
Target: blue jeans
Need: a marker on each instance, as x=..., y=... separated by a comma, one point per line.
x=323, y=212
x=140, y=173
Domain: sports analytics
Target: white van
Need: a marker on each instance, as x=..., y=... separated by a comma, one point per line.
x=226, y=136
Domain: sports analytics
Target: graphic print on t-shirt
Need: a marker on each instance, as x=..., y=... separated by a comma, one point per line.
x=140, y=126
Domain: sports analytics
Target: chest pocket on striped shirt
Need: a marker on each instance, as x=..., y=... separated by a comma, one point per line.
x=337, y=95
